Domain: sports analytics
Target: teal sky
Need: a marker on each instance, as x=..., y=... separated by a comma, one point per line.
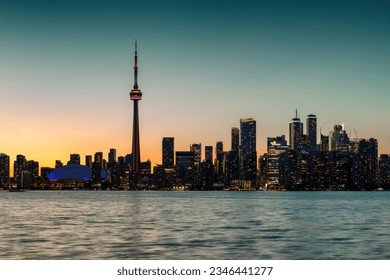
x=66, y=71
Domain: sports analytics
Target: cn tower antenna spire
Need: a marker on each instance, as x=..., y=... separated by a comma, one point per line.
x=135, y=67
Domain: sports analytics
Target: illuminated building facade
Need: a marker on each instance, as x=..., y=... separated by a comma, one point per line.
x=295, y=132
x=248, y=154
x=168, y=152
x=275, y=146
x=311, y=132
x=4, y=170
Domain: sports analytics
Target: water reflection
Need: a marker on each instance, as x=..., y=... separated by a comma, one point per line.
x=194, y=225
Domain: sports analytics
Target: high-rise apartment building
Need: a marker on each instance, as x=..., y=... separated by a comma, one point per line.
x=219, y=161
x=20, y=164
x=311, y=132
x=209, y=154
x=4, y=170
x=197, y=150
x=384, y=171
x=168, y=152
x=235, y=139
x=248, y=153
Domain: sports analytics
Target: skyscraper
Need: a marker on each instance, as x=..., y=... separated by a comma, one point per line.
x=168, y=152
x=338, y=139
x=74, y=159
x=135, y=96
x=275, y=146
x=248, y=154
x=197, y=150
x=311, y=131
x=112, y=156
x=20, y=165
x=97, y=167
x=384, y=170
x=88, y=160
x=235, y=139
x=4, y=170
x=296, y=128
x=219, y=160
x=209, y=154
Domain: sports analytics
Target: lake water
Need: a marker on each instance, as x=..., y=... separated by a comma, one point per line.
x=194, y=225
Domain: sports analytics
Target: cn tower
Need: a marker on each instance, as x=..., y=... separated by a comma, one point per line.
x=135, y=95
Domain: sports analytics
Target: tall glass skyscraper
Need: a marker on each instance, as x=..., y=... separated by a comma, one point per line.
x=235, y=139
x=295, y=132
x=168, y=152
x=311, y=131
x=248, y=154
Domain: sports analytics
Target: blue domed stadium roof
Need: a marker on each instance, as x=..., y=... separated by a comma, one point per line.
x=71, y=172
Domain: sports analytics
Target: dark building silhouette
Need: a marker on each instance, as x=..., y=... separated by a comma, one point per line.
x=4, y=170
x=97, y=168
x=88, y=161
x=168, y=145
x=368, y=155
x=44, y=172
x=146, y=168
x=219, y=161
x=248, y=154
x=231, y=167
x=235, y=139
x=20, y=165
x=295, y=132
x=33, y=168
x=384, y=171
x=185, y=166
x=58, y=163
x=324, y=145
x=207, y=174
x=209, y=154
x=112, y=156
x=311, y=132
x=112, y=167
x=74, y=159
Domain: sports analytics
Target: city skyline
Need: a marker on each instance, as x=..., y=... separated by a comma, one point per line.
x=67, y=76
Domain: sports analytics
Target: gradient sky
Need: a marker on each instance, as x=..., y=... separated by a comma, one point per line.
x=66, y=72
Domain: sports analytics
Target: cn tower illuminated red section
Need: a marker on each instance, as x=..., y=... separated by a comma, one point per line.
x=136, y=95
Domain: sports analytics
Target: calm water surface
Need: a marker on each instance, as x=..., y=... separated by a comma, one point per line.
x=194, y=225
